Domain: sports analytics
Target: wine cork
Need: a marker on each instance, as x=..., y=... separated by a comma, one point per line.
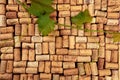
x=76, y=8
x=23, y=76
x=7, y=50
x=113, y=15
x=108, y=55
x=115, y=75
x=38, y=48
x=49, y=39
x=91, y=9
x=63, y=7
x=94, y=68
x=56, y=64
x=104, y=5
x=23, y=15
x=86, y=52
x=81, y=39
x=41, y=66
x=11, y=15
x=74, y=31
x=6, y=30
x=61, y=21
x=80, y=45
x=31, y=30
x=112, y=22
x=2, y=1
x=7, y=56
x=36, y=38
x=25, y=20
x=33, y=64
x=65, y=32
x=62, y=78
x=47, y=66
x=6, y=36
x=2, y=20
x=65, y=41
x=31, y=70
x=56, y=77
x=42, y=57
x=6, y=76
x=52, y=48
x=102, y=20
x=100, y=63
x=112, y=2
x=87, y=69
x=12, y=8
x=31, y=55
x=114, y=8
x=74, y=52
x=9, y=68
x=111, y=65
x=73, y=71
x=25, y=54
x=73, y=2
x=111, y=46
x=16, y=54
x=70, y=58
x=16, y=77
x=94, y=77
x=45, y=76
x=2, y=9
x=114, y=56
x=6, y=43
x=68, y=65
x=12, y=21
x=98, y=4
x=100, y=13
x=36, y=77
x=45, y=47
x=104, y=72
x=28, y=45
x=18, y=64
x=60, y=1
x=25, y=39
x=74, y=13
x=95, y=55
x=19, y=70
x=57, y=70
x=24, y=30
x=30, y=77
x=64, y=14
x=71, y=42
x=17, y=41
x=3, y=66
x=17, y=29
x=62, y=51
x=81, y=69
x=92, y=45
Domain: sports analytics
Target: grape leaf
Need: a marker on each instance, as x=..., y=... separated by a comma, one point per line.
x=81, y=18
x=45, y=24
x=116, y=37
x=40, y=7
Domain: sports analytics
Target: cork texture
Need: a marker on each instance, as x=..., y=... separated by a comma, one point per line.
x=66, y=53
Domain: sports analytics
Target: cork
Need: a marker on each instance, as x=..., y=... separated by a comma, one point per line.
x=64, y=14
x=7, y=56
x=56, y=77
x=19, y=70
x=68, y=65
x=102, y=20
x=36, y=38
x=94, y=69
x=6, y=76
x=31, y=55
x=31, y=70
x=24, y=30
x=67, y=22
x=18, y=64
x=21, y=8
x=23, y=15
x=115, y=75
x=111, y=65
x=32, y=64
x=65, y=32
x=57, y=70
x=6, y=30
x=42, y=57
x=30, y=76
x=73, y=2
x=68, y=77
x=114, y=56
x=81, y=39
x=104, y=72
x=23, y=76
x=12, y=8
x=45, y=47
x=7, y=50
x=86, y=52
x=94, y=27
x=28, y=45
x=76, y=8
x=47, y=66
x=58, y=42
x=91, y=9
x=12, y=21
x=3, y=66
x=56, y=64
x=9, y=67
x=104, y=5
x=81, y=69
x=2, y=20
x=95, y=55
x=36, y=77
x=71, y=42
x=79, y=1
x=6, y=36
x=16, y=77
x=94, y=77
x=11, y=15
x=52, y=48
x=61, y=51
x=93, y=39
x=65, y=41
x=60, y=1
x=63, y=7
x=98, y=4
x=2, y=9
x=25, y=39
x=62, y=78
x=73, y=52
x=49, y=38
x=80, y=45
x=111, y=46
x=70, y=58
x=3, y=1
x=25, y=54
x=87, y=26
x=45, y=76
x=31, y=30
x=114, y=8
x=100, y=63
x=73, y=71
x=74, y=13
x=25, y=20
x=6, y=43
x=112, y=2
x=41, y=66
x=87, y=69
x=17, y=41
x=17, y=29
x=38, y=48
x=16, y=54
x=113, y=15
x=74, y=32
x=112, y=22
x=92, y=45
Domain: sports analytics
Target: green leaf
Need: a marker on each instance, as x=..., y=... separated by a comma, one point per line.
x=81, y=18
x=116, y=37
x=40, y=7
x=45, y=24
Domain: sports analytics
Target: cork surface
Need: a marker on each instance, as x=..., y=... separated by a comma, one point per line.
x=65, y=54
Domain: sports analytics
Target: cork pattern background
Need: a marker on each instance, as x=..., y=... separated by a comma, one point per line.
x=65, y=54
